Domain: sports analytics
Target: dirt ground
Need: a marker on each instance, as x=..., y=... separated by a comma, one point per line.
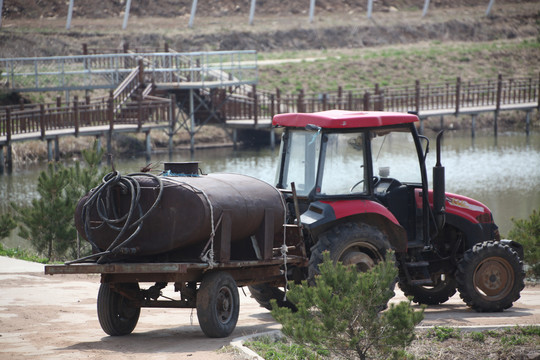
x=54, y=317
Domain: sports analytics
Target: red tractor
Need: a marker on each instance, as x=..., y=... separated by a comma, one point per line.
x=356, y=183
x=348, y=182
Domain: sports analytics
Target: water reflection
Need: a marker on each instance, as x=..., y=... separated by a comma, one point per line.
x=502, y=172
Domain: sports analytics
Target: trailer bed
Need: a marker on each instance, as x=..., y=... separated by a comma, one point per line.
x=244, y=272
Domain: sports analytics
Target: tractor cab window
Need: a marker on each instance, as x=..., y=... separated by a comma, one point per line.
x=301, y=160
x=394, y=156
x=343, y=171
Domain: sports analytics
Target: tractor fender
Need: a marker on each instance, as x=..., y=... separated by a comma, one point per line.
x=474, y=232
x=322, y=215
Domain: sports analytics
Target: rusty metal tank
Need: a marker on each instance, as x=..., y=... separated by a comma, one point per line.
x=178, y=210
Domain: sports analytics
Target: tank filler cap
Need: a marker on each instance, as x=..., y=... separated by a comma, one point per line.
x=188, y=168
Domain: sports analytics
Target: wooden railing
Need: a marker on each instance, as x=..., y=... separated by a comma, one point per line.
x=456, y=97
x=76, y=115
x=246, y=103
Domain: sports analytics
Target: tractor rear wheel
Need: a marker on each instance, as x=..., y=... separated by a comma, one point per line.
x=490, y=277
x=263, y=293
x=353, y=244
x=435, y=294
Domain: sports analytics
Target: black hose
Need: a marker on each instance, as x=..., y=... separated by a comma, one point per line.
x=101, y=199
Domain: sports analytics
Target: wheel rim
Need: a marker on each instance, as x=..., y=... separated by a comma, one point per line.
x=361, y=260
x=494, y=278
x=124, y=311
x=224, y=305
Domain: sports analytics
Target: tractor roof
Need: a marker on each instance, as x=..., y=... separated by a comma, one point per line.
x=342, y=119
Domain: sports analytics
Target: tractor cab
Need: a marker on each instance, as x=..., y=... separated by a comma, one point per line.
x=356, y=166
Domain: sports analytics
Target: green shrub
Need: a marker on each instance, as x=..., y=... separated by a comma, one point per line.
x=48, y=222
x=341, y=312
x=527, y=233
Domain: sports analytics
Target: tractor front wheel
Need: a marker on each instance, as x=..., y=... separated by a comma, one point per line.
x=490, y=277
x=438, y=293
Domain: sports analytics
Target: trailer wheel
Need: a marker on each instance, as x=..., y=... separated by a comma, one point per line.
x=490, y=277
x=115, y=313
x=439, y=293
x=218, y=304
x=352, y=244
x=263, y=293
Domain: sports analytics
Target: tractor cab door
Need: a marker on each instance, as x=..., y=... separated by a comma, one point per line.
x=399, y=170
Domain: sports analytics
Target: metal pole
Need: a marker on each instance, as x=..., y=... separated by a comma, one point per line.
x=369, y=8
x=426, y=6
x=491, y=2
x=70, y=13
x=126, y=14
x=311, y=10
x=1, y=6
x=193, y=11
x=191, y=121
x=252, y=11
x=1, y=158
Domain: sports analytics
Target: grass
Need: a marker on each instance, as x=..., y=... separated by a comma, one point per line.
x=441, y=342
x=433, y=62
x=284, y=349
x=21, y=255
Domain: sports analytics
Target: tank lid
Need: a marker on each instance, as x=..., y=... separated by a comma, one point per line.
x=188, y=168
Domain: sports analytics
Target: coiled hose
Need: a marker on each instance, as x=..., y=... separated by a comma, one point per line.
x=130, y=223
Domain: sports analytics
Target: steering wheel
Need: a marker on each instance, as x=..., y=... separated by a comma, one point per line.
x=376, y=181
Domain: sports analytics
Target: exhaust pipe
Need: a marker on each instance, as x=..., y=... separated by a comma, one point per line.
x=439, y=194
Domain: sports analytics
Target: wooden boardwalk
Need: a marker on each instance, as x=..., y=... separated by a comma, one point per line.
x=215, y=87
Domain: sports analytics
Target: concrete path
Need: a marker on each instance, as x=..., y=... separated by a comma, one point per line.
x=54, y=317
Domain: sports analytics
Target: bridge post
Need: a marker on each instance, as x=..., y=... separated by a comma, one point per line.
x=191, y=122
x=56, y=149
x=255, y=106
x=458, y=94
x=42, y=120
x=278, y=101
x=9, y=159
x=528, y=122
x=498, y=105
x=76, y=114
x=366, y=101
x=1, y=157
x=473, y=125
x=172, y=117
x=8, y=125
x=49, y=150
x=272, y=131
x=417, y=96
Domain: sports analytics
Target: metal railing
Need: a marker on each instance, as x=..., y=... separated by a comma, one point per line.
x=106, y=71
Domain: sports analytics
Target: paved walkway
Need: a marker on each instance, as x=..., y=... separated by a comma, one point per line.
x=54, y=317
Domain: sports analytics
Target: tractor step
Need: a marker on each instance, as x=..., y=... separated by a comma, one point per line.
x=417, y=264
x=415, y=244
x=421, y=282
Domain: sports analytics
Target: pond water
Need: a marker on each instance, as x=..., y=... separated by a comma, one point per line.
x=502, y=172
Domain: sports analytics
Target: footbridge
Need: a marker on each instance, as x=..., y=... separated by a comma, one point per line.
x=176, y=91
